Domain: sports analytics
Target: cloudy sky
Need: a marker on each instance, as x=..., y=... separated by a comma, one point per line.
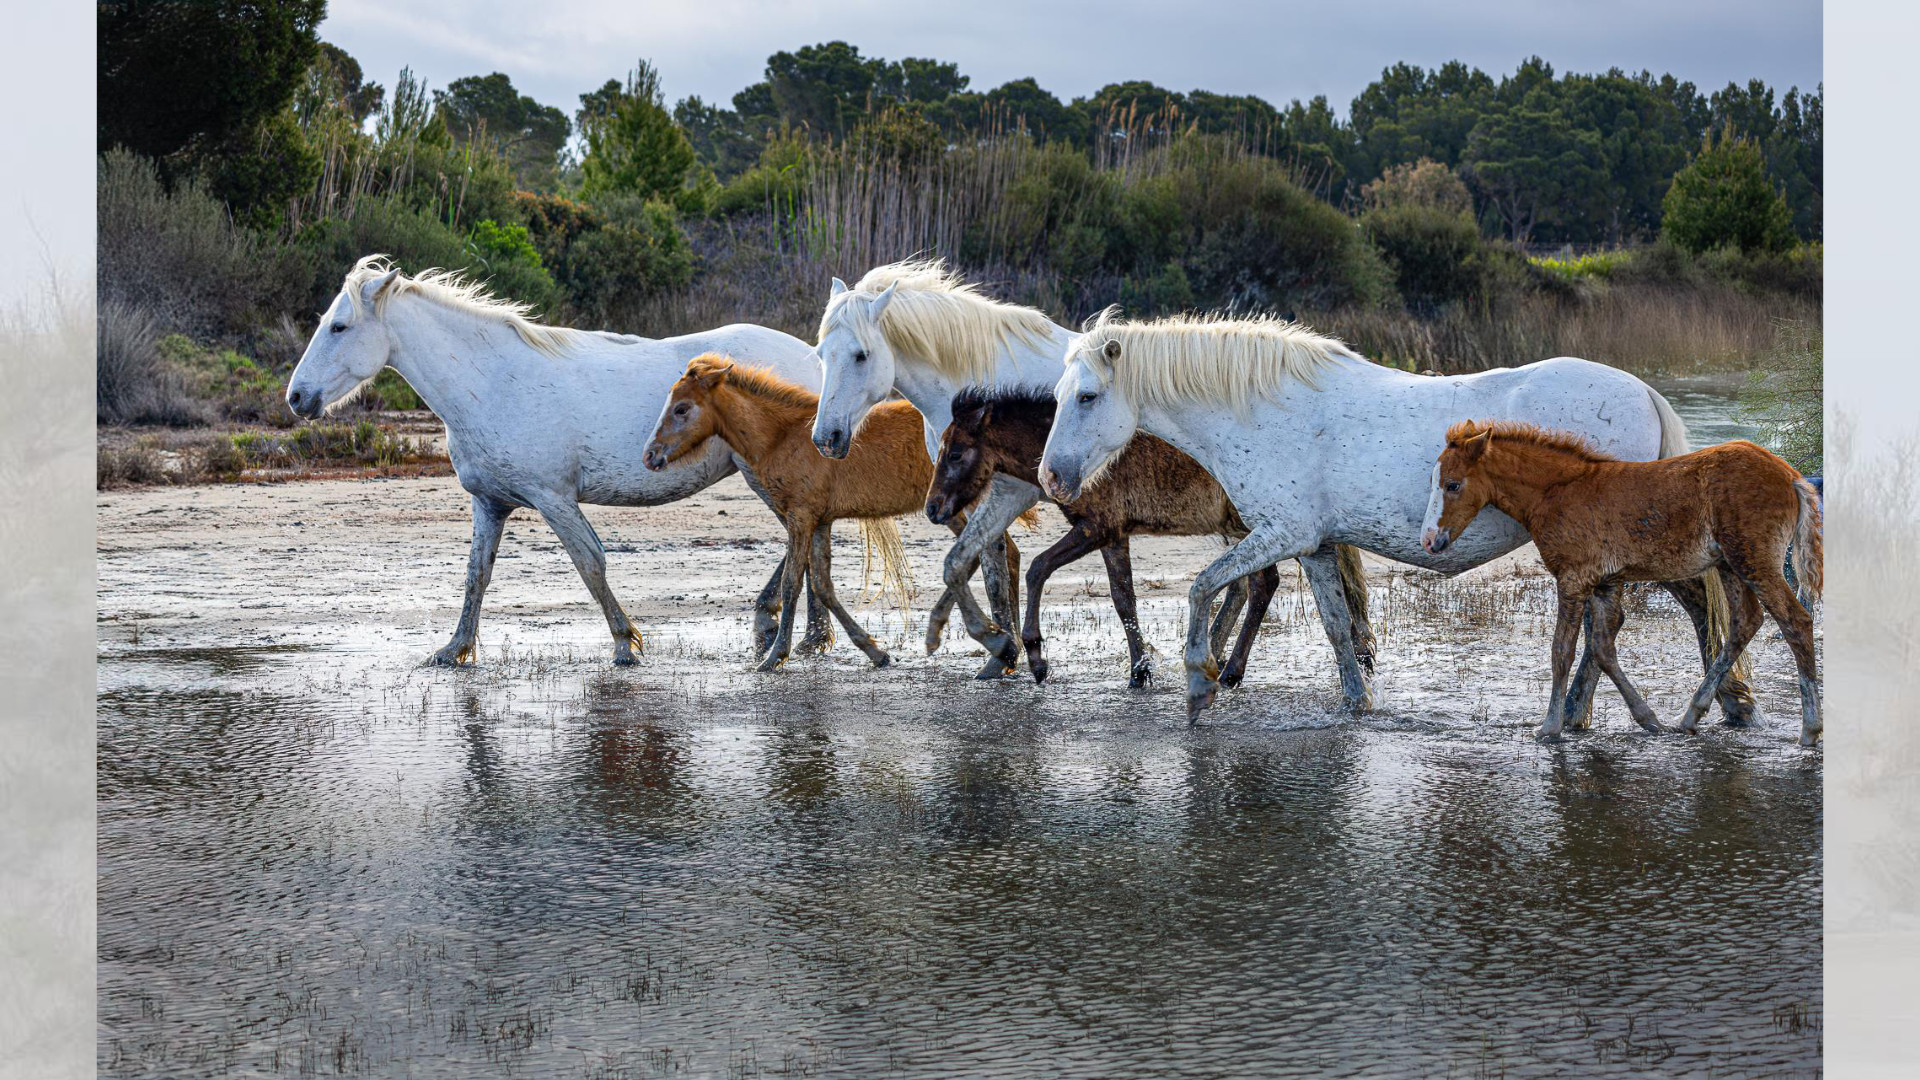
x=556, y=49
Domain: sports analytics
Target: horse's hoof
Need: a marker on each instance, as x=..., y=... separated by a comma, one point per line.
x=451, y=656
x=996, y=670
x=936, y=629
x=1231, y=677
x=1545, y=734
x=882, y=660
x=1651, y=725
x=1809, y=738
x=624, y=661
x=1038, y=665
x=1740, y=716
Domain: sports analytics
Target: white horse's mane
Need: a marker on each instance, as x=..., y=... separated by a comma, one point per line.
x=448, y=289
x=1216, y=359
x=938, y=317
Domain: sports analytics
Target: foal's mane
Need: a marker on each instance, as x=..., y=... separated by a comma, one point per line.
x=937, y=316
x=449, y=289
x=1013, y=406
x=757, y=382
x=1208, y=358
x=1505, y=431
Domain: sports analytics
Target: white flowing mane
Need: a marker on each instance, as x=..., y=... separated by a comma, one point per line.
x=448, y=289
x=1205, y=358
x=937, y=317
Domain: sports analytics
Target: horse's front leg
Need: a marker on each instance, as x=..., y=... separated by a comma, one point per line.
x=793, y=574
x=819, y=635
x=766, y=610
x=1353, y=580
x=1330, y=596
x=1260, y=548
x=1075, y=545
x=820, y=606
x=1119, y=559
x=489, y=518
x=1604, y=616
x=986, y=527
x=1566, y=636
x=1231, y=605
x=576, y=534
x=820, y=579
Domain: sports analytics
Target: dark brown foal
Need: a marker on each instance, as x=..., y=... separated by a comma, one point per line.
x=1151, y=489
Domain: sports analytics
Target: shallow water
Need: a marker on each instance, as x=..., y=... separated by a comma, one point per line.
x=317, y=858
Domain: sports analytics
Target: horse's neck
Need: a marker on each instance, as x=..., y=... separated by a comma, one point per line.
x=753, y=425
x=1522, y=475
x=1015, y=364
x=441, y=353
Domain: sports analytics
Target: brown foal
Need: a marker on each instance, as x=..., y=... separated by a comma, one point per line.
x=1733, y=509
x=767, y=421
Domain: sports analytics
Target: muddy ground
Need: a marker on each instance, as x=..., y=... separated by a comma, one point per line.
x=319, y=857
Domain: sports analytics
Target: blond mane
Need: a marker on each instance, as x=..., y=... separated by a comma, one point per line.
x=1531, y=434
x=756, y=381
x=937, y=317
x=448, y=289
x=1205, y=358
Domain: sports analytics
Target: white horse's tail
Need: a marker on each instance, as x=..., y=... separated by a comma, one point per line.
x=1673, y=430
x=882, y=537
x=1807, y=556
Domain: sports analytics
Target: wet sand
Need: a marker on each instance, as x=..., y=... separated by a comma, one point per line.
x=319, y=857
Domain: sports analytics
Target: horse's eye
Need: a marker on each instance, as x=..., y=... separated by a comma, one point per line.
x=860, y=357
x=1453, y=487
x=1087, y=397
x=953, y=455
x=680, y=409
x=339, y=328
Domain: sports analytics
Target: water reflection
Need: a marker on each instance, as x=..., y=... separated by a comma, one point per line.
x=322, y=865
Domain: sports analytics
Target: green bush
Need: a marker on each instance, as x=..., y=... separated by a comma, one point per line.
x=636, y=252
x=415, y=239
x=1435, y=254
x=1784, y=395
x=776, y=183
x=504, y=257
x=260, y=174
x=135, y=381
x=1724, y=199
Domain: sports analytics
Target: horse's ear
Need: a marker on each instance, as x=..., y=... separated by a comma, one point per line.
x=371, y=290
x=1477, y=445
x=1111, y=350
x=712, y=375
x=970, y=413
x=880, y=302
x=838, y=288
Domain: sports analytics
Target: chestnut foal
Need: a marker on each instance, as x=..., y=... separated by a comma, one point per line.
x=767, y=421
x=1151, y=490
x=1732, y=509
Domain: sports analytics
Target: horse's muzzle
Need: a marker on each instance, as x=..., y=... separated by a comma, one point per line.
x=833, y=444
x=655, y=458
x=1058, y=488
x=305, y=403
x=940, y=509
x=1436, y=540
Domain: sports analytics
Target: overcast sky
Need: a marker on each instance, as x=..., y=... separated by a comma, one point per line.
x=557, y=49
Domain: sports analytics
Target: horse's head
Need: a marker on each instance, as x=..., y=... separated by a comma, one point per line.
x=351, y=344
x=856, y=366
x=1092, y=421
x=1460, y=485
x=686, y=420
x=963, y=469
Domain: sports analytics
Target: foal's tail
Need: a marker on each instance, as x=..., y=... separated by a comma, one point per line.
x=1807, y=556
x=1673, y=443
x=882, y=536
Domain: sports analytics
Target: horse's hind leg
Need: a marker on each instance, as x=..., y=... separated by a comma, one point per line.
x=1743, y=607
x=1604, y=616
x=1736, y=697
x=576, y=534
x=820, y=613
x=1323, y=574
x=1796, y=625
x=1586, y=673
x=793, y=575
x=821, y=576
x=1259, y=594
x=766, y=610
x=1075, y=545
x=489, y=517
x=1232, y=602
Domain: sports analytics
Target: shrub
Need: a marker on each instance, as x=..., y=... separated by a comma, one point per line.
x=416, y=240
x=633, y=147
x=262, y=172
x=775, y=183
x=637, y=252
x=1785, y=395
x=135, y=383
x=1724, y=199
x=180, y=258
x=1425, y=183
x=1434, y=253
x=504, y=257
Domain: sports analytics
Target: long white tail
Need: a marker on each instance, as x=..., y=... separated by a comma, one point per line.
x=1807, y=555
x=1673, y=430
x=882, y=537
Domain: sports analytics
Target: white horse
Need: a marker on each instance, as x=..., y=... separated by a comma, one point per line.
x=1318, y=446
x=915, y=328
x=537, y=416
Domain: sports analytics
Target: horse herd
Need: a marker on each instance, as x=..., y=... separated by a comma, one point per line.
x=1286, y=442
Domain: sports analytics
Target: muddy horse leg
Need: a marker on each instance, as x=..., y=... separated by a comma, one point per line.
x=1743, y=609
x=1566, y=635
x=1586, y=674
x=1736, y=697
x=820, y=575
x=1119, y=559
x=1073, y=546
x=1260, y=592
x=1604, y=617
x=1796, y=626
x=1353, y=580
x=489, y=518
x=793, y=576
x=1329, y=595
